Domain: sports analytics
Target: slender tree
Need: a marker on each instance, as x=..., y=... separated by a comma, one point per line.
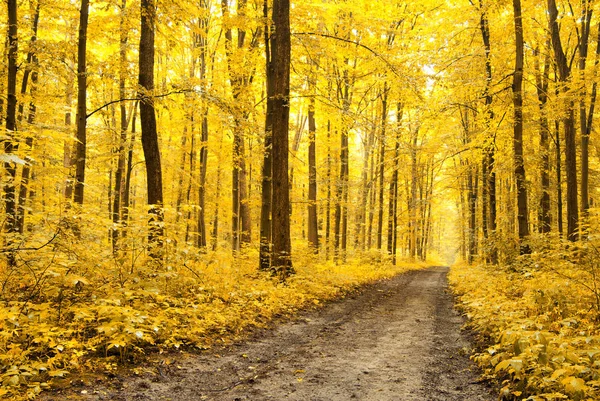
x=281, y=47
x=149, y=131
x=519, y=166
x=31, y=71
x=10, y=203
x=80, y=154
x=564, y=76
x=267, y=167
x=313, y=235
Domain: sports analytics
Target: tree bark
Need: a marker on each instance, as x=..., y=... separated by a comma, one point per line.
x=81, y=146
x=281, y=47
x=202, y=43
x=117, y=209
x=30, y=70
x=564, y=75
x=488, y=164
x=384, y=114
x=149, y=132
x=266, y=237
x=519, y=166
x=541, y=80
x=585, y=129
x=313, y=233
x=10, y=205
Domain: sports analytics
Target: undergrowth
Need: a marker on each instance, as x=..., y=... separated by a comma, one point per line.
x=74, y=307
x=541, y=316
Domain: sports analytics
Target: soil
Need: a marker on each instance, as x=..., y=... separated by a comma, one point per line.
x=398, y=339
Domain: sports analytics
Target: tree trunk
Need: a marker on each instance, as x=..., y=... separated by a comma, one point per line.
x=313, y=233
x=541, y=80
x=266, y=237
x=488, y=167
x=241, y=223
x=31, y=69
x=585, y=130
x=281, y=48
x=126, y=203
x=519, y=166
x=80, y=157
x=10, y=205
x=328, y=201
x=202, y=43
x=564, y=75
x=559, y=194
x=149, y=131
x=384, y=114
x=117, y=209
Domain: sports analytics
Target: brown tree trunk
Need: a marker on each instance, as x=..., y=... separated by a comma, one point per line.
x=126, y=202
x=149, y=131
x=519, y=166
x=80, y=157
x=313, y=233
x=341, y=207
x=541, y=80
x=202, y=44
x=564, y=75
x=10, y=206
x=559, y=193
x=281, y=47
x=266, y=237
x=241, y=223
x=328, y=201
x=30, y=70
x=585, y=130
x=117, y=209
x=381, y=166
x=488, y=167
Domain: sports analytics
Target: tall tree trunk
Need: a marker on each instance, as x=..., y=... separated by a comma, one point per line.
x=559, y=193
x=30, y=70
x=488, y=167
x=281, y=47
x=393, y=194
x=10, y=205
x=267, y=167
x=313, y=233
x=126, y=203
x=80, y=157
x=149, y=131
x=412, y=208
x=341, y=207
x=564, y=75
x=202, y=44
x=541, y=80
x=328, y=201
x=381, y=166
x=519, y=166
x=117, y=209
x=241, y=223
x=585, y=130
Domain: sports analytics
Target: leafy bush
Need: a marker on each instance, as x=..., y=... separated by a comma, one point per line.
x=540, y=315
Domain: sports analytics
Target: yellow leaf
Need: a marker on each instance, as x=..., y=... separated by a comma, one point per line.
x=573, y=384
x=557, y=373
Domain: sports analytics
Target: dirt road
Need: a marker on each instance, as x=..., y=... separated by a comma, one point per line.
x=396, y=340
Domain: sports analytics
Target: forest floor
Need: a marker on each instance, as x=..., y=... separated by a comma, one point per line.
x=397, y=339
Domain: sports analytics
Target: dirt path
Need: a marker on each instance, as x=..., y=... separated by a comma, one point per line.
x=399, y=339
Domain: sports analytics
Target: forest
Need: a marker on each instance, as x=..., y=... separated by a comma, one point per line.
x=177, y=171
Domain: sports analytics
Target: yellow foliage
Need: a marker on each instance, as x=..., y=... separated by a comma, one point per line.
x=93, y=314
x=543, y=336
